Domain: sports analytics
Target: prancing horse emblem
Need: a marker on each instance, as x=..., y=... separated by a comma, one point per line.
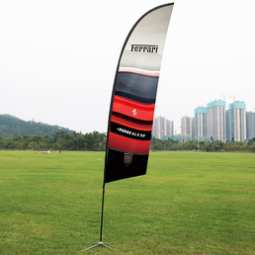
x=134, y=112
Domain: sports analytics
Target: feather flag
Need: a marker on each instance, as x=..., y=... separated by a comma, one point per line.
x=134, y=96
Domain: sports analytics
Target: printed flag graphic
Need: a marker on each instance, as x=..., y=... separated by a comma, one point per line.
x=134, y=96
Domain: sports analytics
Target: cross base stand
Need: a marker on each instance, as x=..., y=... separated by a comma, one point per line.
x=98, y=244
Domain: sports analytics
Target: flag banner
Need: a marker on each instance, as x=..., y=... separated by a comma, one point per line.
x=134, y=96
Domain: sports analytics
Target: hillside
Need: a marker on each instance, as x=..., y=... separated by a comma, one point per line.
x=10, y=126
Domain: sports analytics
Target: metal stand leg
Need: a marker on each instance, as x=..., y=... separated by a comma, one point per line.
x=98, y=244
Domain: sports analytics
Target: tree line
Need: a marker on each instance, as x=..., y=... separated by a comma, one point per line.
x=61, y=140
x=212, y=146
x=96, y=141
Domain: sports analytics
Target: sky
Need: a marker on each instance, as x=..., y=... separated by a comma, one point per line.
x=58, y=58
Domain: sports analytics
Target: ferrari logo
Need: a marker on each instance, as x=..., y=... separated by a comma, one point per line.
x=134, y=112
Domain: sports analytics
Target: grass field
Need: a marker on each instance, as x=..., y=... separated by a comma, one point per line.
x=188, y=203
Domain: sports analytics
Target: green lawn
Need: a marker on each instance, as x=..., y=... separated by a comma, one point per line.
x=188, y=203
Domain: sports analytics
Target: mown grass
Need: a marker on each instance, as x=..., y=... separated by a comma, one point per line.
x=188, y=203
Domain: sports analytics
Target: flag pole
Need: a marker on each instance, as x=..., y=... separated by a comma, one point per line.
x=102, y=214
x=101, y=228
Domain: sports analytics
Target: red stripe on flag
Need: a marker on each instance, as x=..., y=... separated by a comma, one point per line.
x=131, y=122
x=132, y=108
x=122, y=143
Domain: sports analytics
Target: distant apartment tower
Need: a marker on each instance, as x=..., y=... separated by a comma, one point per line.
x=193, y=134
x=169, y=128
x=250, y=125
x=216, y=120
x=186, y=127
x=159, y=127
x=236, y=121
x=201, y=122
x=162, y=127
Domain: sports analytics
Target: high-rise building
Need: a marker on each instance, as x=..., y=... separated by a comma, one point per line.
x=193, y=123
x=162, y=127
x=216, y=120
x=169, y=128
x=201, y=122
x=250, y=125
x=186, y=127
x=159, y=127
x=236, y=121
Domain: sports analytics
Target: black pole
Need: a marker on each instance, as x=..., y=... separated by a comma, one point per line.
x=101, y=229
x=102, y=215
